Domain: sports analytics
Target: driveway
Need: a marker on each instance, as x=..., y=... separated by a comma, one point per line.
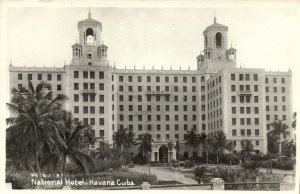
x=164, y=174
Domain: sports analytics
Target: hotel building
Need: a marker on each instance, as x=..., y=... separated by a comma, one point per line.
x=217, y=96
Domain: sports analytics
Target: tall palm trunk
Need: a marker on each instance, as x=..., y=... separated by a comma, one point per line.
x=35, y=152
x=121, y=157
x=279, y=146
x=230, y=159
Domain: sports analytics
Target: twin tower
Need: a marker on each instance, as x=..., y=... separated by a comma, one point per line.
x=92, y=52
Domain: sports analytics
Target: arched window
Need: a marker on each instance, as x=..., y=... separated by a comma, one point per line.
x=89, y=36
x=218, y=40
x=206, y=41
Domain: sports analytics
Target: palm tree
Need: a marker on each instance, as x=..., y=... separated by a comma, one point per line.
x=123, y=138
x=230, y=147
x=279, y=130
x=219, y=143
x=192, y=138
x=104, y=150
x=247, y=149
x=205, y=144
x=170, y=146
x=145, y=145
x=32, y=123
x=177, y=147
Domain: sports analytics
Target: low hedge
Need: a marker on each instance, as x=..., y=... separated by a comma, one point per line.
x=282, y=165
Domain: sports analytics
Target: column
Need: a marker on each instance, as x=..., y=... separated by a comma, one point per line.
x=152, y=156
x=174, y=154
x=217, y=184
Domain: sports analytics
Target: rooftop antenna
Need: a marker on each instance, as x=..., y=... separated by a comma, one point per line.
x=215, y=18
x=89, y=13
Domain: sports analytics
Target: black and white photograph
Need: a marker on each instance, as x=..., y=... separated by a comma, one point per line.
x=150, y=95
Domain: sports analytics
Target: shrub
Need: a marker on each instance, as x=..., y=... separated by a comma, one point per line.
x=251, y=165
x=199, y=173
x=102, y=165
x=21, y=180
x=283, y=165
x=188, y=164
x=121, y=175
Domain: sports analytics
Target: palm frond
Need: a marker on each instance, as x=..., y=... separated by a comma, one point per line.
x=14, y=108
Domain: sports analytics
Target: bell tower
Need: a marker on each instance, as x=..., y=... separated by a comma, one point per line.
x=215, y=53
x=90, y=51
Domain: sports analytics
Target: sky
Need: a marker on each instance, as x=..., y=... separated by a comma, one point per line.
x=265, y=37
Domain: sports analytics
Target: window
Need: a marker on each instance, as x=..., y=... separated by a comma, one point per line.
x=101, y=109
x=256, y=99
x=85, y=74
x=232, y=77
x=233, y=132
x=101, y=121
x=58, y=87
x=233, y=88
x=184, y=79
x=20, y=77
x=85, y=109
x=85, y=98
x=233, y=99
x=149, y=127
x=256, y=110
x=256, y=132
x=120, y=78
x=140, y=127
x=175, y=88
x=242, y=110
x=166, y=79
x=266, y=80
x=202, y=79
x=242, y=121
x=176, y=127
x=76, y=97
x=92, y=109
x=274, y=80
x=247, y=77
x=282, y=80
x=275, y=89
x=76, y=109
x=58, y=77
x=194, y=79
x=157, y=78
x=184, y=88
x=283, y=89
x=267, y=89
x=175, y=79
x=255, y=88
x=219, y=40
x=129, y=78
x=101, y=75
x=248, y=132
x=139, y=78
x=242, y=132
x=241, y=77
x=40, y=76
x=255, y=77
x=101, y=98
x=233, y=110
x=256, y=121
x=148, y=79
x=76, y=86
x=233, y=121
x=92, y=74
x=29, y=76
x=49, y=77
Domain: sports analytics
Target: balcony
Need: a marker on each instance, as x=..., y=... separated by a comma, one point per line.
x=245, y=93
x=167, y=93
x=88, y=91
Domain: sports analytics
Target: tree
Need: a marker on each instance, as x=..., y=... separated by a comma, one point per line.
x=219, y=142
x=145, y=144
x=247, y=149
x=289, y=148
x=123, y=138
x=205, y=144
x=230, y=147
x=104, y=150
x=192, y=138
x=32, y=128
x=279, y=130
x=77, y=138
x=170, y=146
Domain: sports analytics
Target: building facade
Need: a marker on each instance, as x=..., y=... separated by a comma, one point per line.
x=218, y=96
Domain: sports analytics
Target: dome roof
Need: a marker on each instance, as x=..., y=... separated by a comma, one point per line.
x=89, y=20
x=215, y=25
